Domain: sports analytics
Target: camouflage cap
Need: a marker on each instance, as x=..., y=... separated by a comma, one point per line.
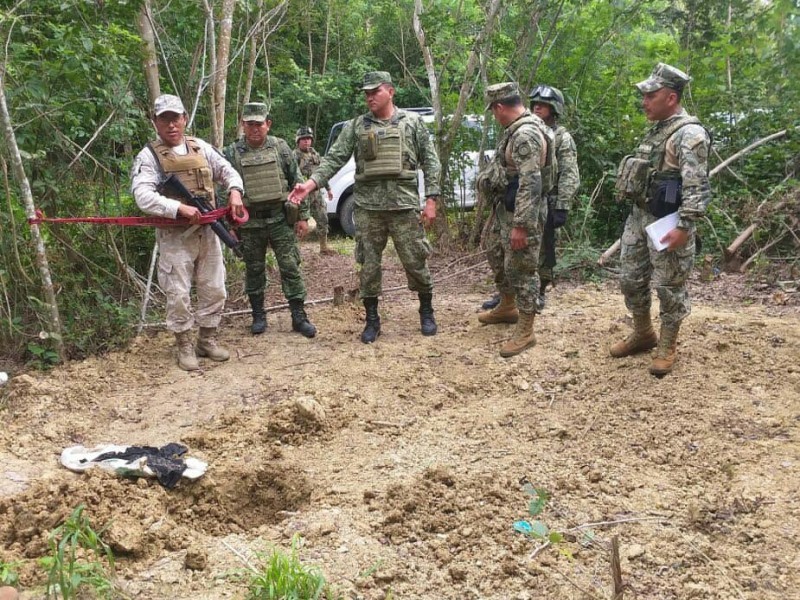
x=374, y=79
x=664, y=75
x=501, y=91
x=255, y=111
x=168, y=103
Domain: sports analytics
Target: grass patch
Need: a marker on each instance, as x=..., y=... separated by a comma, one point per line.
x=282, y=576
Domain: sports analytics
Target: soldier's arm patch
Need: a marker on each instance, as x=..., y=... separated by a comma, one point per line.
x=524, y=149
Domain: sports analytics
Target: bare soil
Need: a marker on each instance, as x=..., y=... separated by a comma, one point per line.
x=404, y=478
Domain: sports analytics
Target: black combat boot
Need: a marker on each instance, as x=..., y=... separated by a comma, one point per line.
x=373, y=327
x=491, y=302
x=427, y=324
x=300, y=320
x=540, y=301
x=259, y=316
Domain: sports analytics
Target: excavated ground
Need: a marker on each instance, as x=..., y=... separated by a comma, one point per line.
x=401, y=464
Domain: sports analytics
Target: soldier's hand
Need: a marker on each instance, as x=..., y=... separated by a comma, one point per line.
x=330, y=194
x=235, y=203
x=189, y=212
x=428, y=215
x=300, y=191
x=519, y=238
x=301, y=229
x=675, y=239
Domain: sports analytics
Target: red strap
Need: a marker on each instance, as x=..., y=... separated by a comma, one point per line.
x=205, y=219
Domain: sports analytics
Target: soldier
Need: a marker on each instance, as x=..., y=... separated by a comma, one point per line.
x=667, y=174
x=269, y=170
x=548, y=104
x=308, y=159
x=187, y=254
x=521, y=173
x=389, y=145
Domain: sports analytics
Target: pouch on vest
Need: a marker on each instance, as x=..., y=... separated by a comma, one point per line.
x=369, y=145
x=633, y=177
x=387, y=160
x=292, y=212
x=665, y=197
x=510, y=196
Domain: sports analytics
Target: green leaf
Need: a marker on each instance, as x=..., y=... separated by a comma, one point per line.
x=555, y=537
x=539, y=530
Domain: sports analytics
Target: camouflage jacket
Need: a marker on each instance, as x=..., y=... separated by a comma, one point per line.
x=568, y=178
x=526, y=153
x=399, y=193
x=686, y=152
x=307, y=161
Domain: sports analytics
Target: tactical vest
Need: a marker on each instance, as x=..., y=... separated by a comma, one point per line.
x=640, y=174
x=547, y=159
x=306, y=161
x=380, y=151
x=192, y=169
x=264, y=179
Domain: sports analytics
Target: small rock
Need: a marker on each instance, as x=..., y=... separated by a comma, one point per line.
x=196, y=558
x=457, y=573
x=594, y=476
x=8, y=593
x=635, y=551
x=310, y=410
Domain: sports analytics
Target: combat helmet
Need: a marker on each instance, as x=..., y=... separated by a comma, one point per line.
x=546, y=94
x=303, y=132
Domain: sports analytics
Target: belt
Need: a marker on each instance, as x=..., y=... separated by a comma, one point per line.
x=266, y=211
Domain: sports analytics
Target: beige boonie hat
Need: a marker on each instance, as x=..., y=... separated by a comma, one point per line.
x=501, y=91
x=375, y=79
x=168, y=103
x=255, y=111
x=664, y=75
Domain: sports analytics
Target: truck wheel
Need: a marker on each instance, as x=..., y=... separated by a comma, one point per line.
x=347, y=206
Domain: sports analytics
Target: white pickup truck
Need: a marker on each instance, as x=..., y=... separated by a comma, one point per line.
x=340, y=206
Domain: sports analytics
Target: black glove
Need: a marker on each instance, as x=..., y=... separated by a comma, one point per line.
x=559, y=217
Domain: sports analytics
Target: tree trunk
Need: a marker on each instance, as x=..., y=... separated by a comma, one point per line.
x=150, y=57
x=56, y=332
x=221, y=71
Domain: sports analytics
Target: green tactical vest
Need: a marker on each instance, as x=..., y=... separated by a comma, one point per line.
x=264, y=179
x=306, y=161
x=637, y=171
x=379, y=154
x=547, y=162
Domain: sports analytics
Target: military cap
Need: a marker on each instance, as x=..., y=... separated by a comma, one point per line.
x=255, y=111
x=304, y=132
x=374, y=79
x=664, y=75
x=168, y=103
x=501, y=91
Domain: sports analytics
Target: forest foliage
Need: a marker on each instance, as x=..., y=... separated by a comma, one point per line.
x=73, y=76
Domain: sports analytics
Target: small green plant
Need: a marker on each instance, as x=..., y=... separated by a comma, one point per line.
x=78, y=559
x=8, y=573
x=43, y=358
x=283, y=577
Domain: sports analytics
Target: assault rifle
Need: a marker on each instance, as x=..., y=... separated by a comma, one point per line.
x=173, y=186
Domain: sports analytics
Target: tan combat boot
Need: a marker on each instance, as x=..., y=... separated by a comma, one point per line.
x=187, y=360
x=523, y=336
x=642, y=338
x=323, y=245
x=207, y=345
x=667, y=349
x=505, y=312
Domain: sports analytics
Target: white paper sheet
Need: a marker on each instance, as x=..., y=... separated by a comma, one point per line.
x=658, y=229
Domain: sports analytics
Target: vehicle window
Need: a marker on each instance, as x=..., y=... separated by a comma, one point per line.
x=334, y=134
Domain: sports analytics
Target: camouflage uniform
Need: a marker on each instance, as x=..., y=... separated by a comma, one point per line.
x=387, y=205
x=669, y=165
x=560, y=197
x=307, y=162
x=269, y=171
x=516, y=271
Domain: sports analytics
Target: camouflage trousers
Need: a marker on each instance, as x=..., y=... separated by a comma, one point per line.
x=257, y=235
x=319, y=210
x=373, y=229
x=515, y=271
x=184, y=260
x=667, y=270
